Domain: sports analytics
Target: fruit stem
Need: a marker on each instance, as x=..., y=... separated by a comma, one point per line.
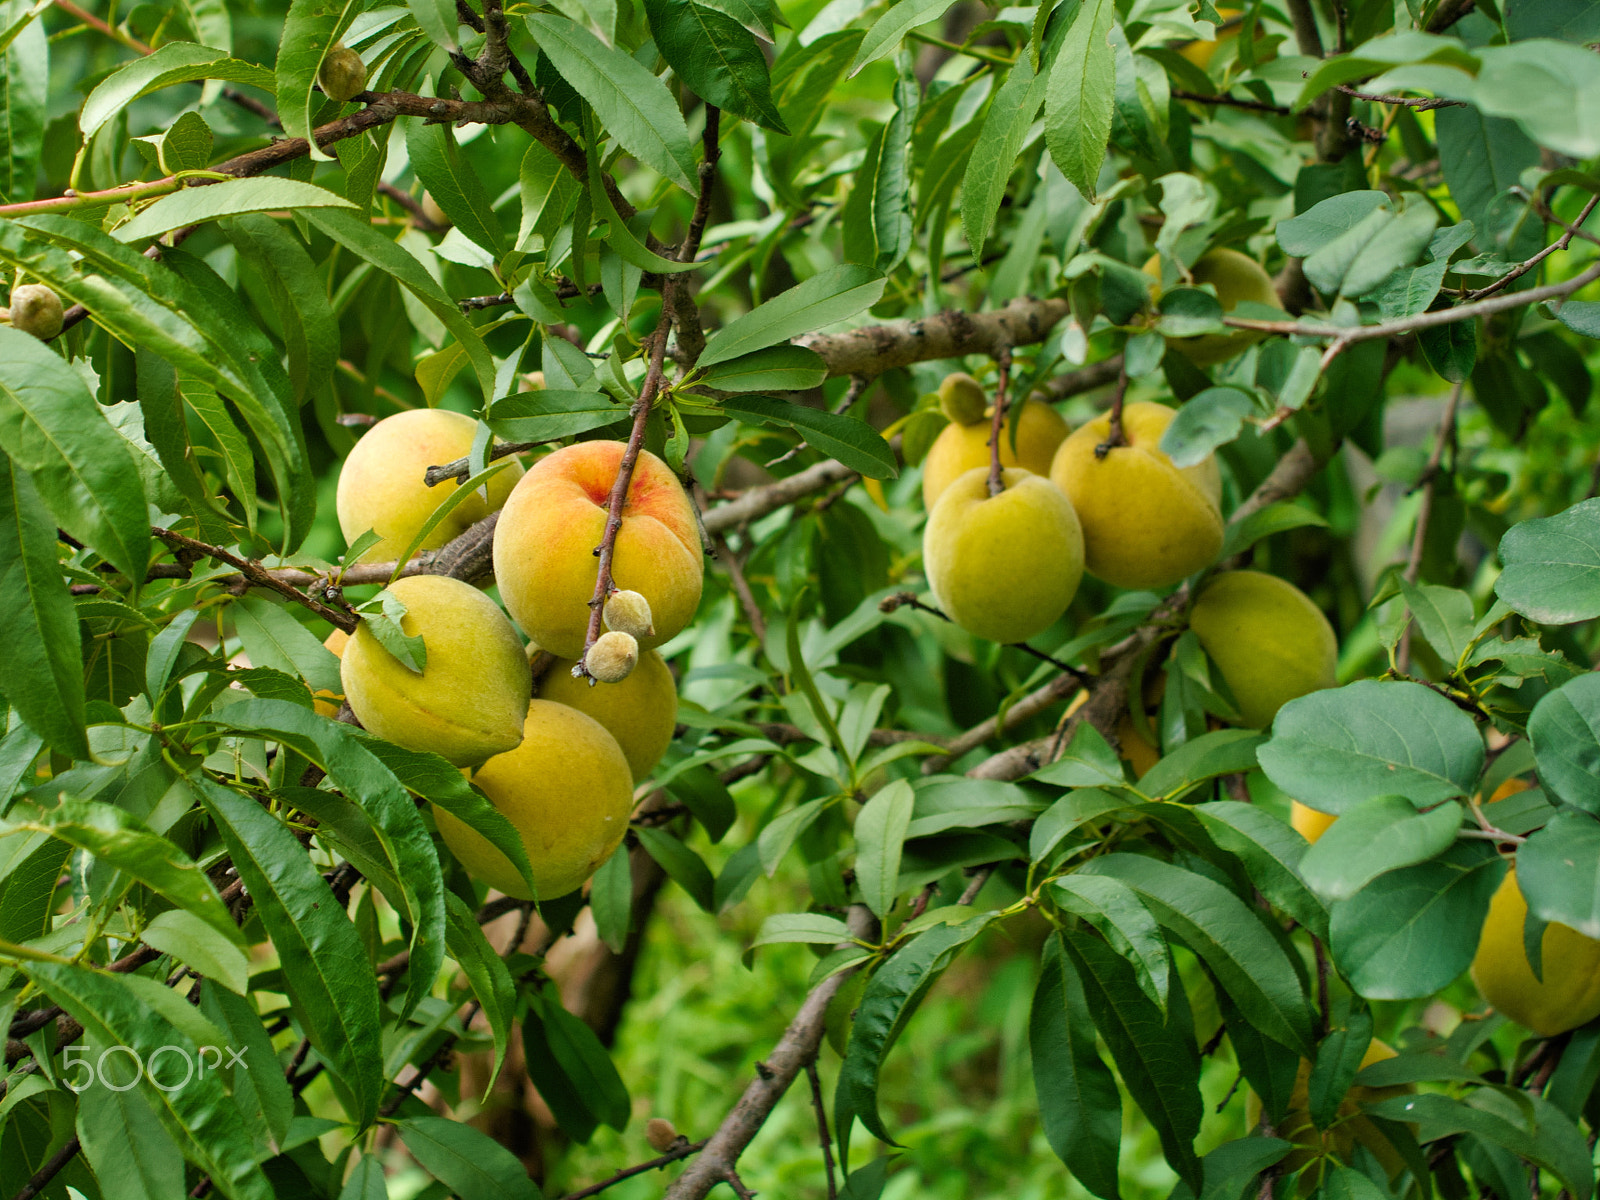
x=1002, y=355
x=1114, y=436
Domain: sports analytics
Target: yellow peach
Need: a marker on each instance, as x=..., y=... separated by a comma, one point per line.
x=1237, y=278
x=567, y=791
x=1270, y=641
x=1003, y=567
x=545, y=543
x=468, y=702
x=1569, y=993
x=960, y=448
x=640, y=712
x=1146, y=523
x=324, y=701
x=1308, y=822
x=381, y=486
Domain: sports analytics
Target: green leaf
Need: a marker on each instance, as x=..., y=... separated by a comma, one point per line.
x=1338, y=1059
x=1113, y=908
x=366, y=1181
x=1155, y=1054
x=815, y=929
x=983, y=185
x=611, y=901
x=632, y=105
x=887, y=1004
x=310, y=30
x=1411, y=932
x=24, y=110
x=1220, y=752
x=197, y=944
x=176, y=62
x=470, y=1163
x=1376, y=54
x=126, y=1144
x=960, y=803
x=325, y=967
x=1451, y=350
x=1088, y=761
x=717, y=57
x=1444, y=615
x=437, y=19
x=1206, y=421
x=51, y=427
x=1080, y=1105
x=1565, y=731
x=1334, y=748
x=272, y=637
x=200, y=1116
x=1552, y=566
x=1271, y=854
x=196, y=205
x=263, y=1094
x=584, y=1060
x=777, y=368
x=549, y=414
x=880, y=834
x=854, y=443
x=1558, y=870
x=828, y=297
x=1362, y=259
x=1082, y=95
x=486, y=972
x=452, y=182
x=889, y=29
x=1245, y=958
x=41, y=672
x=1067, y=814
x=686, y=868
x=1378, y=835
x=371, y=246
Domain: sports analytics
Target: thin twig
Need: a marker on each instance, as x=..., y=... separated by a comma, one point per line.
x=671, y=1156
x=1223, y=98
x=1420, y=103
x=258, y=575
x=822, y=1128
x=1419, y=538
x=998, y=429
x=741, y=589
x=1561, y=243
x=1114, y=435
x=51, y=1168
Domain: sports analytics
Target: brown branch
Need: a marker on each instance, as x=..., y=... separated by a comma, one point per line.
x=254, y=573
x=1231, y=102
x=757, y=502
x=671, y=1156
x=1420, y=103
x=1083, y=379
x=900, y=600
x=1114, y=435
x=685, y=312
x=874, y=349
x=459, y=469
x=1448, y=13
x=1522, y=268
x=52, y=1167
x=1428, y=481
x=998, y=429
x=741, y=589
x=822, y=1128
x=1304, y=19
x=419, y=215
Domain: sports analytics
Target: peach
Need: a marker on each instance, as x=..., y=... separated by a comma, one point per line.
x=469, y=701
x=640, y=712
x=960, y=448
x=1268, y=638
x=324, y=701
x=381, y=487
x=567, y=791
x=545, y=545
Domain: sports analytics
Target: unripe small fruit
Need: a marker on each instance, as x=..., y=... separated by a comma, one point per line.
x=613, y=657
x=963, y=399
x=36, y=309
x=343, y=76
x=660, y=1133
x=629, y=612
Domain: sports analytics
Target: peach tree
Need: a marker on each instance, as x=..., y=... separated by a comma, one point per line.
x=1101, y=487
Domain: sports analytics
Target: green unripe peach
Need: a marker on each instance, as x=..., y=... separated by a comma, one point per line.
x=629, y=613
x=1237, y=278
x=342, y=76
x=1268, y=638
x=36, y=310
x=381, y=484
x=566, y=790
x=612, y=657
x=469, y=701
x=640, y=712
x=960, y=448
x=963, y=399
x=545, y=543
x=1146, y=523
x=1003, y=567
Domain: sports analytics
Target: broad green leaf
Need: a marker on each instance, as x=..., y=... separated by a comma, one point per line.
x=1220, y=752
x=195, y=943
x=52, y=428
x=1271, y=854
x=470, y=1163
x=24, y=108
x=1558, y=871
x=1444, y=615
x=633, y=106
x=889, y=29
x=953, y=802
x=717, y=57
x=453, y=183
x=1245, y=958
x=366, y=1181
x=437, y=19
x=585, y=1061
x=310, y=30
x=567, y=1100
x=1334, y=1069
x=196, y=205
x=272, y=637
x=1334, y=748
x=1082, y=95
x=371, y=246
x=325, y=967
x=1210, y=419
x=1361, y=259
x=1379, y=53
x=611, y=901
x=1113, y=908
x=176, y=62
x=28, y=878
x=816, y=929
x=262, y=1093
x=1066, y=815
x=891, y=996
x=1088, y=761
x=1565, y=732
x=1080, y=1105
x=125, y=1143
x=983, y=186
x=1552, y=566
x=1378, y=835
x=778, y=368
x=41, y=672
x=826, y=298
x=854, y=443
x=1155, y=1054
x=486, y=972
x=200, y=1116
x=686, y=868
x=549, y=414
x=880, y=832
x=1411, y=932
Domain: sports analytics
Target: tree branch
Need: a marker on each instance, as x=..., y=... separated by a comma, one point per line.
x=254, y=573
x=51, y=1168
x=1419, y=538
x=874, y=349
x=1561, y=243
x=671, y=1156
x=997, y=429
